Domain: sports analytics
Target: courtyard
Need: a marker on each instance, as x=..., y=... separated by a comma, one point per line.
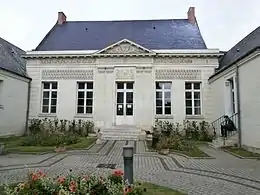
x=221, y=173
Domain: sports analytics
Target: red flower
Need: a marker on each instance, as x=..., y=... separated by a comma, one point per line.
x=73, y=183
x=127, y=190
x=61, y=180
x=72, y=188
x=118, y=172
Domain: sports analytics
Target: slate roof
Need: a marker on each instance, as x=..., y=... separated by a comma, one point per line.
x=10, y=58
x=96, y=35
x=240, y=50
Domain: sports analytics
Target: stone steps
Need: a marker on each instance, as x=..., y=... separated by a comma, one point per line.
x=229, y=141
x=120, y=133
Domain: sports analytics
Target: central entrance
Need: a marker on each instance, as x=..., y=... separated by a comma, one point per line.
x=124, y=103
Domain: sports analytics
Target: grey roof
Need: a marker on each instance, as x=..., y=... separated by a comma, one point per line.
x=10, y=58
x=96, y=35
x=241, y=49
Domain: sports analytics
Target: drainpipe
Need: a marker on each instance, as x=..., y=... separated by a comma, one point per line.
x=28, y=106
x=238, y=107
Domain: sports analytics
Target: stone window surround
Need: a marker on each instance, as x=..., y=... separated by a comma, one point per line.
x=85, y=90
x=163, y=115
x=1, y=94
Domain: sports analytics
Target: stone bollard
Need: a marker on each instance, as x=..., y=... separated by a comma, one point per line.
x=2, y=148
x=128, y=154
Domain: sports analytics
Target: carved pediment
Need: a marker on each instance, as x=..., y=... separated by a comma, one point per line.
x=124, y=47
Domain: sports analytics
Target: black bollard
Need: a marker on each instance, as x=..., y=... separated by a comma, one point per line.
x=128, y=154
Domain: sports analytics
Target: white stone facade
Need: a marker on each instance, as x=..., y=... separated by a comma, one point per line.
x=13, y=103
x=111, y=65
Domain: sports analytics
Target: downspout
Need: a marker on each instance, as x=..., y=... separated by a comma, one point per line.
x=238, y=107
x=28, y=108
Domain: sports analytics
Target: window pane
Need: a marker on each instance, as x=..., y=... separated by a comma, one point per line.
x=88, y=110
x=46, y=94
x=89, y=85
x=167, y=85
x=158, y=85
x=167, y=110
x=158, y=102
x=129, y=85
x=80, y=102
x=54, y=94
x=167, y=95
x=196, y=102
x=188, y=103
x=54, y=85
x=129, y=97
x=80, y=94
x=80, y=109
x=187, y=95
x=53, y=102
x=120, y=109
x=196, y=85
x=45, y=102
x=120, y=97
x=89, y=102
x=120, y=85
x=187, y=85
x=158, y=94
x=45, y=109
x=89, y=94
x=188, y=111
x=46, y=85
x=158, y=110
x=167, y=102
x=129, y=109
x=53, y=109
x=196, y=95
x=197, y=111
x=81, y=85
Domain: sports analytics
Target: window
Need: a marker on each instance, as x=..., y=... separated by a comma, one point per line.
x=193, y=98
x=49, y=97
x=163, y=98
x=232, y=93
x=85, y=98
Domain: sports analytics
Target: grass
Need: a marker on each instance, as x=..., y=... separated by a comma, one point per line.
x=151, y=189
x=242, y=152
x=193, y=152
x=159, y=190
x=13, y=145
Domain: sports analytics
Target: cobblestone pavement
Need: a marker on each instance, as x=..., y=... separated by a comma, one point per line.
x=223, y=174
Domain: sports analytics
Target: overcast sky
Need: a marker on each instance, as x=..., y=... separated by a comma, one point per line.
x=222, y=22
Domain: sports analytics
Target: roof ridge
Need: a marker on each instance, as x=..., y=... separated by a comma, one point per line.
x=139, y=20
x=11, y=44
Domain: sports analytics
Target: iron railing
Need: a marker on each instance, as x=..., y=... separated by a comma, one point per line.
x=216, y=124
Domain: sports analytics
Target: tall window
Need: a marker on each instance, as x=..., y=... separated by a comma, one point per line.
x=193, y=98
x=163, y=98
x=49, y=97
x=1, y=93
x=85, y=98
x=232, y=93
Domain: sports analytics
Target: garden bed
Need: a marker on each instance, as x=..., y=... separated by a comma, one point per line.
x=14, y=145
x=241, y=152
x=39, y=183
x=193, y=152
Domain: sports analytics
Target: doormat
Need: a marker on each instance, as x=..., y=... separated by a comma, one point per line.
x=107, y=166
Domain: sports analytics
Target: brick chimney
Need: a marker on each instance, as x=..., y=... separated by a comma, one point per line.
x=191, y=15
x=61, y=18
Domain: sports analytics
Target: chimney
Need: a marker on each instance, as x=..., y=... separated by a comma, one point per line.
x=61, y=18
x=191, y=15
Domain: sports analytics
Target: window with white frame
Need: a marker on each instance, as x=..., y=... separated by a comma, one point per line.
x=193, y=98
x=232, y=94
x=49, y=97
x=85, y=98
x=163, y=98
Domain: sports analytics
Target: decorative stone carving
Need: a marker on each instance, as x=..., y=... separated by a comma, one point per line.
x=168, y=60
x=68, y=61
x=124, y=48
x=177, y=74
x=143, y=69
x=125, y=60
x=125, y=74
x=105, y=69
x=67, y=74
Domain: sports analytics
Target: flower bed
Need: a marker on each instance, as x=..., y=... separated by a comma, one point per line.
x=38, y=183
